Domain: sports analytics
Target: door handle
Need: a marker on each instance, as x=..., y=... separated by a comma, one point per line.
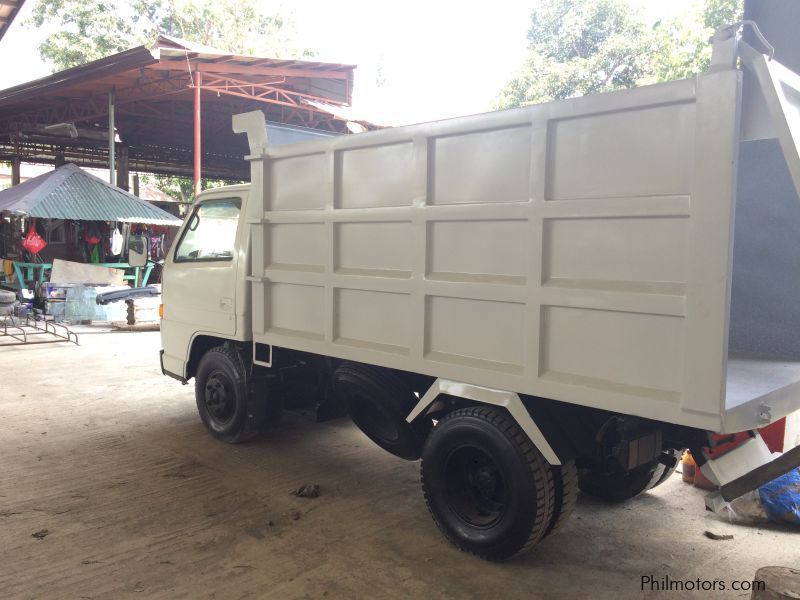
x=226, y=303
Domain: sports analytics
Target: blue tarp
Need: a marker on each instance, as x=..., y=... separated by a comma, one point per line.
x=781, y=498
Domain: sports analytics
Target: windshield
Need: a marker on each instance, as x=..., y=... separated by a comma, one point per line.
x=210, y=233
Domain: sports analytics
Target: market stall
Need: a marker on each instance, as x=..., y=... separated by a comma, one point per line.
x=71, y=216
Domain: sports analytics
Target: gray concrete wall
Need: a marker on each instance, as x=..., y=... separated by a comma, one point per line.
x=765, y=303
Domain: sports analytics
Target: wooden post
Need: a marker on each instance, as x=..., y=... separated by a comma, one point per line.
x=122, y=168
x=16, y=160
x=111, y=138
x=16, y=164
x=198, y=81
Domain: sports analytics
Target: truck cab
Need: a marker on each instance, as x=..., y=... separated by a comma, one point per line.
x=205, y=294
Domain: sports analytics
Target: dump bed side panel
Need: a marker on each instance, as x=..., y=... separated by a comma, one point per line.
x=577, y=250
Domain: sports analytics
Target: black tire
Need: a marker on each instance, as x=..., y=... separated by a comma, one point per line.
x=489, y=490
x=667, y=471
x=378, y=402
x=565, y=480
x=7, y=297
x=221, y=392
x=619, y=486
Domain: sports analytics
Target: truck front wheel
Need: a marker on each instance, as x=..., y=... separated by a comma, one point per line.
x=221, y=392
x=488, y=488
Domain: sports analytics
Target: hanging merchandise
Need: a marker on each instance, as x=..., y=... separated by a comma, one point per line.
x=91, y=233
x=126, y=232
x=93, y=237
x=33, y=242
x=116, y=242
x=157, y=247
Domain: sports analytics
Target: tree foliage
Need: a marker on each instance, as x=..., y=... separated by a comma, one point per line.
x=179, y=187
x=579, y=47
x=86, y=30
x=108, y=29
x=718, y=13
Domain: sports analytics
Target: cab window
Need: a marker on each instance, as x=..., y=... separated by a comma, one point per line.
x=210, y=233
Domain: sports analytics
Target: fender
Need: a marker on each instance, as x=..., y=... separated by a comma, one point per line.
x=508, y=400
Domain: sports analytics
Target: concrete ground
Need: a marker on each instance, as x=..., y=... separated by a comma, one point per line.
x=107, y=462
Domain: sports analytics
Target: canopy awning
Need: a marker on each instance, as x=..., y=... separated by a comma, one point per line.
x=69, y=192
x=65, y=116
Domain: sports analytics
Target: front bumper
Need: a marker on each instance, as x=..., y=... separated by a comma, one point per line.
x=168, y=373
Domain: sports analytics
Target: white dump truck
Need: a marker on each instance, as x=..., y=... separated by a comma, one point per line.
x=532, y=301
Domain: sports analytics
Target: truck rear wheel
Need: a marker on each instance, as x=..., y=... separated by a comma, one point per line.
x=621, y=486
x=565, y=480
x=488, y=488
x=221, y=392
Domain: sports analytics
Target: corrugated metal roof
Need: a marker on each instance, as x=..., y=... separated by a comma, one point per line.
x=69, y=192
x=280, y=135
x=8, y=11
x=332, y=82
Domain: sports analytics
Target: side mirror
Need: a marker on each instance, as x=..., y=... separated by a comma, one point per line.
x=138, y=250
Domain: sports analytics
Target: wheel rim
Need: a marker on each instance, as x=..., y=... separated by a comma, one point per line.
x=474, y=487
x=219, y=397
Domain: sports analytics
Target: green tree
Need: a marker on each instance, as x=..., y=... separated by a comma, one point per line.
x=682, y=45
x=175, y=186
x=718, y=13
x=179, y=187
x=86, y=30
x=579, y=47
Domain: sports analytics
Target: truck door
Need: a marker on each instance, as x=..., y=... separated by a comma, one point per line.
x=200, y=281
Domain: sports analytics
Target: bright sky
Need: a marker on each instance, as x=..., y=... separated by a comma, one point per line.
x=437, y=58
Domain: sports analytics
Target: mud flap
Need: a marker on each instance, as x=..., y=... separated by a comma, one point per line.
x=745, y=468
x=257, y=403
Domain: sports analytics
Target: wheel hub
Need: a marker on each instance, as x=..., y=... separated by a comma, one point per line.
x=475, y=489
x=219, y=397
x=485, y=481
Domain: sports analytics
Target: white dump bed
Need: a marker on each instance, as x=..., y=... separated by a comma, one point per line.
x=578, y=250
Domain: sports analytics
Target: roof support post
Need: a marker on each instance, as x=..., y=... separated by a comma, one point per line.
x=198, y=81
x=111, y=135
x=123, y=174
x=16, y=160
x=16, y=163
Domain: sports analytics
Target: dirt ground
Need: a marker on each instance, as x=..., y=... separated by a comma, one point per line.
x=106, y=461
